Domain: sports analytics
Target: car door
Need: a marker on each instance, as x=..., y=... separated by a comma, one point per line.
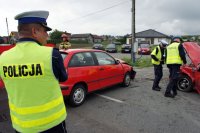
x=82, y=68
x=110, y=71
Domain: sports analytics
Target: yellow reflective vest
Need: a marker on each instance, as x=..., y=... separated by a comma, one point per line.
x=173, y=56
x=35, y=98
x=158, y=56
x=65, y=45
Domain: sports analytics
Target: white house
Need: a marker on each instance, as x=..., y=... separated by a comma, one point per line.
x=148, y=36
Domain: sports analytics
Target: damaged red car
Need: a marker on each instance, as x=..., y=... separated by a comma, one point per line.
x=190, y=74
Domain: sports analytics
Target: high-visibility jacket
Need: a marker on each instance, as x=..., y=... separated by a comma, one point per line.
x=64, y=45
x=173, y=56
x=158, y=56
x=35, y=98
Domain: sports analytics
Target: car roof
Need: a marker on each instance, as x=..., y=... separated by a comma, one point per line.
x=79, y=50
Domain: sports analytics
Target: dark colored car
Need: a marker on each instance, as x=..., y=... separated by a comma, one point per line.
x=189, y=78
x=111, y=48
x=126, y=48
x=98, y=46
x=144, y=49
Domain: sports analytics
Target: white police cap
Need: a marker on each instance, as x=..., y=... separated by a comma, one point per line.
x=163, y=42
x=33, y=17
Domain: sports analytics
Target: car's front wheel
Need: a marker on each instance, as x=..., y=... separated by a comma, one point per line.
x=127, y=80
x=77, y=96
x=184, y=83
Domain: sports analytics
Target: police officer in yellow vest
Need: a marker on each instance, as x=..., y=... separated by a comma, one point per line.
x=157, y=56
x=175, y=57
x=31, y=73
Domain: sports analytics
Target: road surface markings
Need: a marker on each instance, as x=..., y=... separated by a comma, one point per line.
x=110, y=98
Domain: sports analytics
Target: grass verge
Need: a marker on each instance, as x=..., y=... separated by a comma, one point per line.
x=141, y=62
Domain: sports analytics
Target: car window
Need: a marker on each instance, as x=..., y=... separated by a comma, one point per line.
x=144, y=45
x=111, y=46
x=97, y=44
x=64, y=55
x=104, y=59
x=81, y=59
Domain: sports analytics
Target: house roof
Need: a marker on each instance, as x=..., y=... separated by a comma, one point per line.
x=97, y=37
x=150, y=34
x=81, y=35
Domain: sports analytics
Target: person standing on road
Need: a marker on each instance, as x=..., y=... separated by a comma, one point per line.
x=157, y=56
x=65, y=44
x=175, y=57
x=31, y=74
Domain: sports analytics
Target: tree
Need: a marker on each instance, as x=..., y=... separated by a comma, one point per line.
x=122, y=40
x=55, y=36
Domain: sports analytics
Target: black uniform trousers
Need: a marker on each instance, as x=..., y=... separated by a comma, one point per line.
x=158, y=72
x=61, y=128
x=174, y=70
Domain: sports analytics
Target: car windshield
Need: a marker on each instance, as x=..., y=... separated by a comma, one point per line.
x=144, y=45
x=97, y=45
x=111, y=46
x=126, y=45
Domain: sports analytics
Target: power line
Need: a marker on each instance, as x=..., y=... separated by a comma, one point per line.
x=90, y=14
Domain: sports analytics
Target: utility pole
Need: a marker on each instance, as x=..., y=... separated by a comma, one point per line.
x=133, y=32
x=7, y=30
x=7, y=26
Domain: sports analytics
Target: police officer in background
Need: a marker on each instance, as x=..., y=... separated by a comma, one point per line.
x=157, y=56
x=31, y=74
x=65, y=44
x=175, y=57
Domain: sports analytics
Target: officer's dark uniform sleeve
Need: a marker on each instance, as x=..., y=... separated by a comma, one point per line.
x=153, y=56
x=182, y=53
x=58, y=66
x=165, y=58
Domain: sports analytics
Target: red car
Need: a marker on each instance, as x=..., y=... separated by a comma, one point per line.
x=90, y=70
x=144, y=49
x=5, y=47
x=190, y=74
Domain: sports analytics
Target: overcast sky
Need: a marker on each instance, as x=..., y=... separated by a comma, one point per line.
x=110, y=17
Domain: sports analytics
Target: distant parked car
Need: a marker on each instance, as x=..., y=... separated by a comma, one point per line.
x=126, y=48
x=98, y=46
x=144, y=49
x=111, y=48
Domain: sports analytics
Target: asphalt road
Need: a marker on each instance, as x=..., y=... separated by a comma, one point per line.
x=134, y=109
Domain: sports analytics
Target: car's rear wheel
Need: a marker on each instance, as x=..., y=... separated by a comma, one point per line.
x=184, y=83
x=127, y=80
x=77, y=96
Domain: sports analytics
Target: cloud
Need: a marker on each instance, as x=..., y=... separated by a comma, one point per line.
x=109, y=16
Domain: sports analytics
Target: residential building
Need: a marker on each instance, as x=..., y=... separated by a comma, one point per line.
x=82, y=37
x=149, y=36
